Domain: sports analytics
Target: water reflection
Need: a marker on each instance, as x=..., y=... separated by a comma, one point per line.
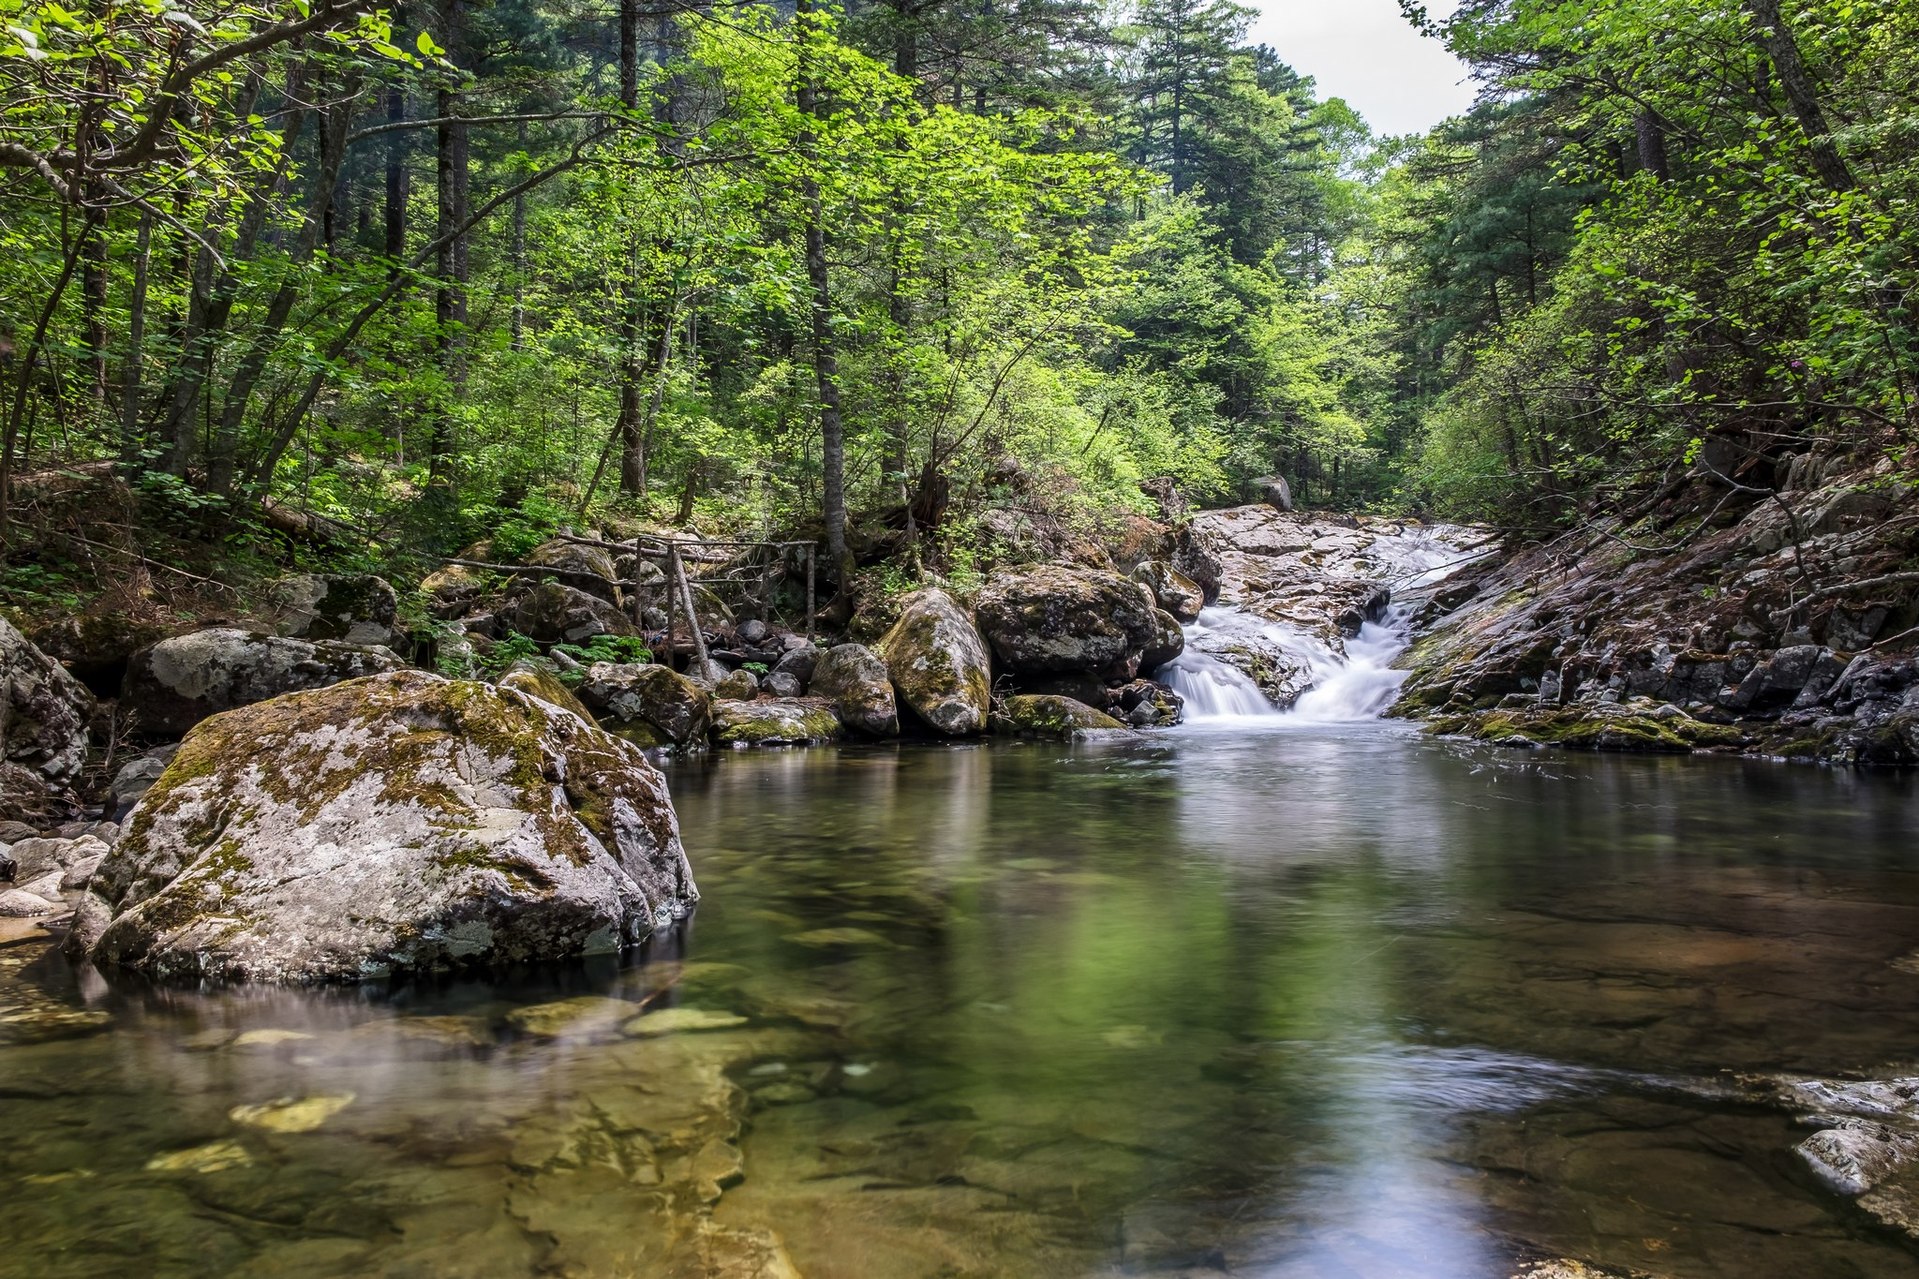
x=1313, y=1001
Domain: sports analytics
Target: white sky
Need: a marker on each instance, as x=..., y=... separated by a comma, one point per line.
x=1365, y=52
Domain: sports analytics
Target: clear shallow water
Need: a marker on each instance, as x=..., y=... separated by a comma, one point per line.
x=1317, y=1001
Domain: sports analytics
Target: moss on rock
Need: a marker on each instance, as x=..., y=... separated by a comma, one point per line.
x=1050, y=716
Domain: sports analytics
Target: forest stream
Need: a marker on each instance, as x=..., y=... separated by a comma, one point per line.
x=1293, y=999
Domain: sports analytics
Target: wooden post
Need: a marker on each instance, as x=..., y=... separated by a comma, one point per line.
x=810, y=606
x=692, y=613
x=639, y=610
x=672, y=607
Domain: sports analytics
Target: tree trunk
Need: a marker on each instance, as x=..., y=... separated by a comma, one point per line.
x=826, y=369
x=450, y=261
x=631, y=345
x=396, y=179
x=1796, y=80
x=1651, y=138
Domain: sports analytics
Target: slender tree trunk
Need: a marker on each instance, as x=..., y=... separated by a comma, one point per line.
x=450, y=261
x=826, y=370
x=25, y=363
x=628, y=427
x=132, y=444
x=1650, y=136
x=396, y=178
x=519, y=261
x=93, y=302
x=1783, y=51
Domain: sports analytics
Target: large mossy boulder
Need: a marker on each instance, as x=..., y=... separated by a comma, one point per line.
x=402, y=823
x=537, y=681
x=855, y=681
x=1049, y=618
x=798, y=721
x=584, y=568
x=173, y=685
x=358, y=608
x=1169, y=641
x=1049, y=716
x=939, y=665
x=43, y=726
x=649, y=704
x=554, y=613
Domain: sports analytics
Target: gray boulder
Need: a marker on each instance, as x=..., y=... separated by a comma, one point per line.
x=401, y=823
x=540, y=682
x=17, y=903
x=1047, y=716
x=584, y=568
x=1047, y=618
x=134, y=777
x=178, y=682
x=555, y=613
x=1172, y=590
x=781, y=684
x=1168, y=643
x=358, y=608
x=854, y=680
x=798, y=662
x=648, y=704
x=938, y=664
x=38, y=859
x=738, y=686
x=43, y=724
x=768, y=722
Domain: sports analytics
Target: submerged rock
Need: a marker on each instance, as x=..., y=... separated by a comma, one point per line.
x=394, y=824
x=800, y=721
x=938, y=664
x=642, y=700
x=178, y=682
x=855, y=681
x=1049, y=618
x=1043, y=715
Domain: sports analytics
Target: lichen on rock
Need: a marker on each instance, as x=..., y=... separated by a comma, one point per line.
x=399, y=823
x=1049, y=716
x=939, y=665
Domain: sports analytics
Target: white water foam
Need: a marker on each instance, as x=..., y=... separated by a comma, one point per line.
x=1352, y=687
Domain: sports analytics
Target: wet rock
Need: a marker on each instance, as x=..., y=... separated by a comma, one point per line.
x=1146, y=704
x=554, y=613
x=675, y=1021
x=855, y=681
x=44, y=712
x=582, y=1017
x=9, y=868
x=1601, y=726
x=214, y=1156
x=1856, y=1154
x=292, y=1114
x=395, y=824
x=938, y=664
x=135, y=777
x=1060, y=718
x=1168, y=643
x=1173, y=591
x=630, y=695
x=17, y=903
x=802, y=721
x=1055, y=618
x=358, y=608
x=738, y=686
x=178, y=682
x=781, y=684
x=537, y=681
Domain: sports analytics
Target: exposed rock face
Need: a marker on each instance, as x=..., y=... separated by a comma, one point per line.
x=799, y=663
x=178, y=682
x=938, y=664
x=358, y=608
x=629, y=696
x=1169, y=641
x=400, y=823
x=780, y=684
x=854, y=680
x=1049, y=716
x=1050, y=618
x=770, y=721
x=1867, y=1141
x=553, y=613
x=1172, y=590
x=43, y=725
x=137, y=776
x=537, y=682
x=1752, y=628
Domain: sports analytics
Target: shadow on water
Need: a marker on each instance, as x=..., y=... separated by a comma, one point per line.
x=1313, y=1000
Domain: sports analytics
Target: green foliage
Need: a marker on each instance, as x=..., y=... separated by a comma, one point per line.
x=606, y=648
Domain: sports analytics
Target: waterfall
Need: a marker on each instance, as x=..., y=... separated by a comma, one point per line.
x=1358, y=685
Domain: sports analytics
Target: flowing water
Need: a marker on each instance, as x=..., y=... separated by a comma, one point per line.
x=1312, y=1001
x=1349, y=687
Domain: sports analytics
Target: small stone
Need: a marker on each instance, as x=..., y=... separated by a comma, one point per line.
x=672, y=1021
x=291, y=1114
x=581, y=1016
x=268, y=1038
x=821, y=938
x=215, y=1156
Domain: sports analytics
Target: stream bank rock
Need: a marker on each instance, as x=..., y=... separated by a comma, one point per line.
x=537, y=681
x=1046, y=619
x=1172, y=590
x=1789, y=624
x=395, y=824
x=648, y=704
x=855, y=681
x=178, y=682
x=357, y=608
x=1050, y=716
x=43, y=728
x=938, y=664
x=772, y=721
x=555, y=613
